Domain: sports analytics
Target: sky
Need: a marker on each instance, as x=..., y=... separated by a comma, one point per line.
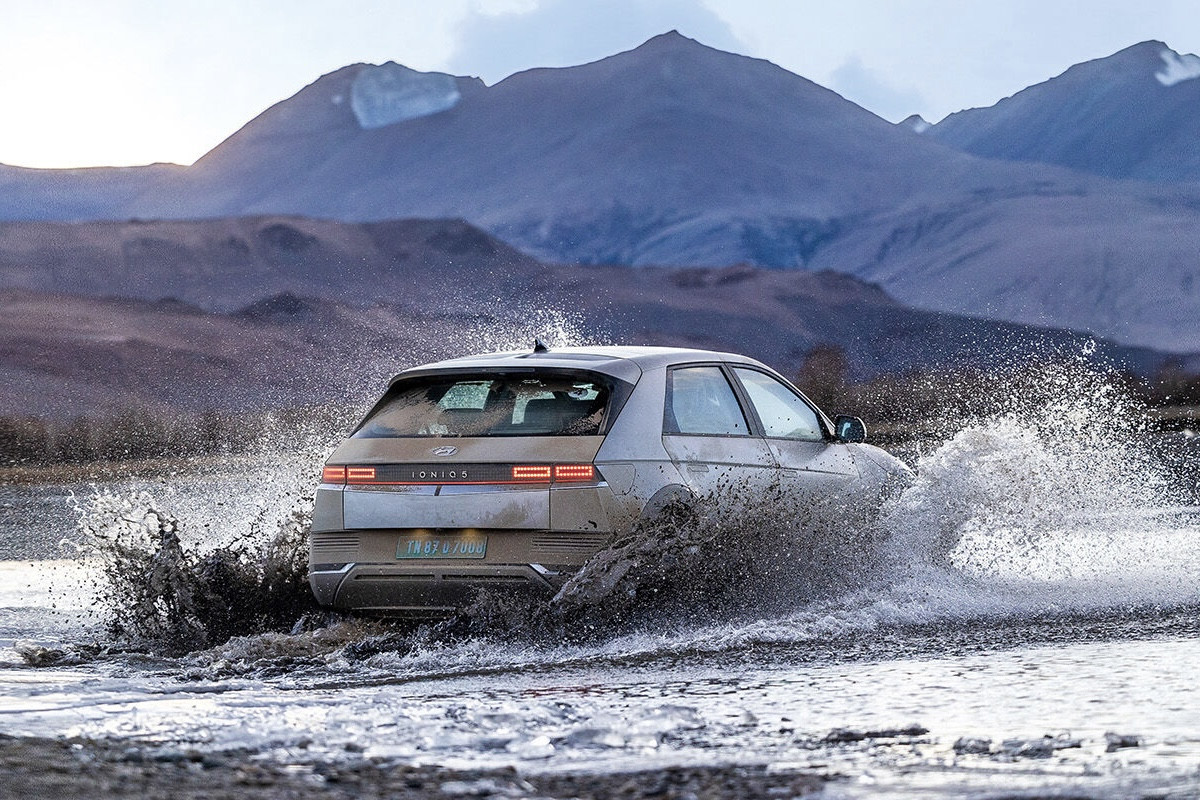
x=123, y=82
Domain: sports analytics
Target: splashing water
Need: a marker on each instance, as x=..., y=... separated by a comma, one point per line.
x=1036, y=577
x=554, y=327
x=1067, y=456
x=237, y=566
x=723, y=559
x=1052, y=502
x=156, y=593
x=514, y=330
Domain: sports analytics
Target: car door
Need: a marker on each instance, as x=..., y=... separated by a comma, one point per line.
x=707, y=433
x=795, y=434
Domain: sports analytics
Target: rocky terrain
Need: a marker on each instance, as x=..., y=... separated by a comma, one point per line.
x=77, y=769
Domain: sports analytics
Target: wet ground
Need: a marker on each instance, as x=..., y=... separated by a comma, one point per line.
x=1090, y=705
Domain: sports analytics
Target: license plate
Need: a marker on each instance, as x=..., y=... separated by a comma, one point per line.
x=429, y=546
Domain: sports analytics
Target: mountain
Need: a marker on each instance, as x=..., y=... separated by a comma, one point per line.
x=63, y=355
x=224, y=263
x=76, y=194
x=915, y=122
x=1130, y=115
x=670, y=154
x=1118, y=266
x=448, y=268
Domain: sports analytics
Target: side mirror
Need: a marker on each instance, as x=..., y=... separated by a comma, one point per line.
x=850, y=430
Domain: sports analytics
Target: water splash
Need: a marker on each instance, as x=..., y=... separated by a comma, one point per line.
x=1054, y=500
x=517, y=330
x=555, y=327
x=1051, y=500
x=1065, y=455
x=156, y=593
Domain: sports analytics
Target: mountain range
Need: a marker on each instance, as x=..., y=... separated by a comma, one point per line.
x=65, y=354
x=1131, y=115
x=678, y=154
x=222, y=264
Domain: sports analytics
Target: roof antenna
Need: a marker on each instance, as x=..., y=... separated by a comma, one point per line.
x=539, y=346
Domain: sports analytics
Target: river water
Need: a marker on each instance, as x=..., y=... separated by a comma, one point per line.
x=1051, y=648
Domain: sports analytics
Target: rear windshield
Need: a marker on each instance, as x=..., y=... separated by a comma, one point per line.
x=491, y=405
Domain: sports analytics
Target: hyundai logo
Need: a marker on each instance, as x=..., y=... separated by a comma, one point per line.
x=445, y=450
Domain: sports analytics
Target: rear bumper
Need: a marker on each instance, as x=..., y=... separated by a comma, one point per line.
x=534, y=540
x=424, y=590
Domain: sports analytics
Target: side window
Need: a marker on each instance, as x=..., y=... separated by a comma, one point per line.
x=700, y=400
x=784, y=414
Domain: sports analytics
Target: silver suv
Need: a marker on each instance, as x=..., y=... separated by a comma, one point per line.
x=510, y=470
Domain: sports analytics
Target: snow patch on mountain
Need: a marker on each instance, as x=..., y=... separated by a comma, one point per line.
x=1179, y=68
x=389, y=93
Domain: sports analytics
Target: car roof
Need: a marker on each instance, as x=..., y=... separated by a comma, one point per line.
x=623, y=362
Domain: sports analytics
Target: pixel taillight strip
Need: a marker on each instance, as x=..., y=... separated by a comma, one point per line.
x=360, y=474
x=574, y=472
x=533, y=473
x=474, y=474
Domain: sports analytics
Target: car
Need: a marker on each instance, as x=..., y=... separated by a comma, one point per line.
x=508, y=471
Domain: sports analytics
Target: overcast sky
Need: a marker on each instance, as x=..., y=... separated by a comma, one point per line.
x=114, y=82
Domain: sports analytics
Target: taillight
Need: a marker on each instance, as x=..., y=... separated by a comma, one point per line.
x=360, y=474
x=574, y=472
x=531, y=474
x=476, y=474
x=544, y=473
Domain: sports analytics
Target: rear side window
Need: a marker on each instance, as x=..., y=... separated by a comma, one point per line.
x=491, y=405
x=701, y=401
x=783, y=413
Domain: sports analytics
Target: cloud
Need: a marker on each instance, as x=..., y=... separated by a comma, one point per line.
x=496, y=40
x=863, y=86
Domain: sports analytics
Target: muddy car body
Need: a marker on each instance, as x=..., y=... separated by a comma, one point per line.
x=509, y=470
